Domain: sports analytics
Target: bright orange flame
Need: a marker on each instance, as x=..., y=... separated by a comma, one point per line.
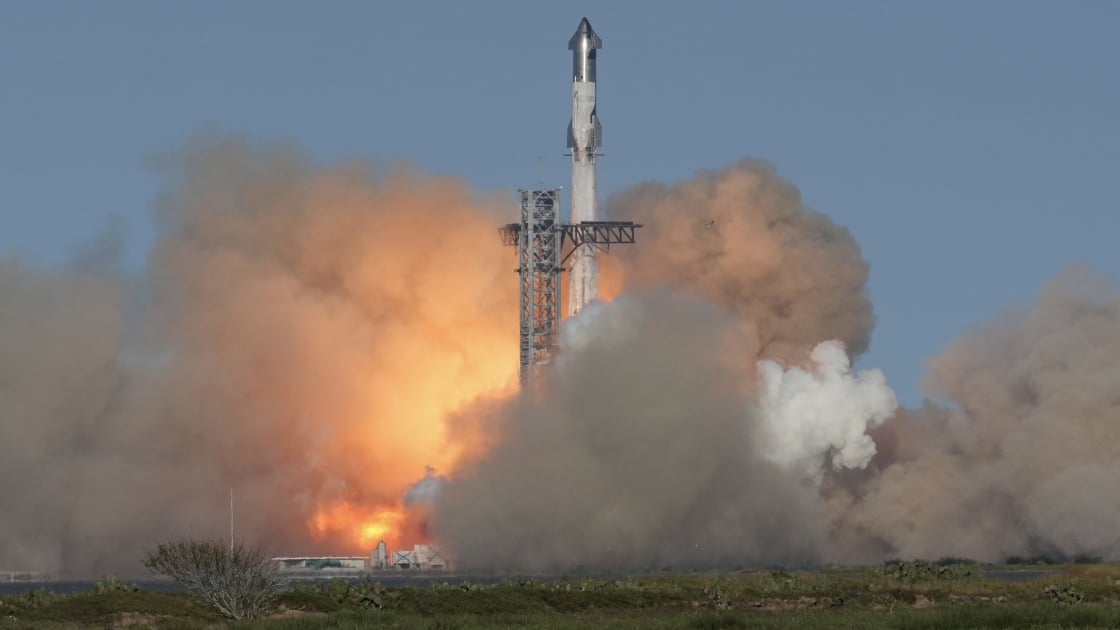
x=430, y=386
x=400, y=338
x=361, y=526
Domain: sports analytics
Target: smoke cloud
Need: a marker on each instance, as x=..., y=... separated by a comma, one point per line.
x=319, y=339
x=741, y=238
x=824, y=413
x=1021, y=458
x=652, y=445
x=638, y=454
x=1018, y=455
x=60, y=342
x=300, y=336
x=427, y=489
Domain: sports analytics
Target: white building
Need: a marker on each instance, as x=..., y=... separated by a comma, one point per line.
x=422, y=557
x=325, y=565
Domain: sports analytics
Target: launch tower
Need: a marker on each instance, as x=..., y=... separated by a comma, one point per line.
x=539, y=244
x=541, y=240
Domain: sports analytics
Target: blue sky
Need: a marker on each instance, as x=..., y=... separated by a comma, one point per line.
x=971, y=147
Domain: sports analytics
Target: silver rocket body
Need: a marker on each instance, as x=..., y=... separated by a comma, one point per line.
x=585, y=136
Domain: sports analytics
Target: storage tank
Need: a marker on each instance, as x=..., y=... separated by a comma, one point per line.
x=379, y=557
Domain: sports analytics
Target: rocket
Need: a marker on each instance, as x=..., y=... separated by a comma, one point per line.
x=585, y=136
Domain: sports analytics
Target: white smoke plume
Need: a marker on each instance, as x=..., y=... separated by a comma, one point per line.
x=821, y=413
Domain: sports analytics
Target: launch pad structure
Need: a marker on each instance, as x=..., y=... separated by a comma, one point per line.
x=541, y=239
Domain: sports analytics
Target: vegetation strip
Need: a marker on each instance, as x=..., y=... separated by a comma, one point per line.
x=899, y=594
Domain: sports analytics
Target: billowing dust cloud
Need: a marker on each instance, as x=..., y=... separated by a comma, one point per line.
x=339, y=346
x=741, y=238
x=636, y=455
x=662, y=412
x=300, y=337
x=1022, y=458
x=652, y=444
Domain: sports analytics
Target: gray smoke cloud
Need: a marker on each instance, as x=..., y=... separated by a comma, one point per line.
x=54, y=396
x=1021, y=458
x=638, y=454
x=643, y=451
x=427, y=489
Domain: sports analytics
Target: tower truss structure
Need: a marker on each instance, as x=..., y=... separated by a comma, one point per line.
x=540, y=239
x=539, y=246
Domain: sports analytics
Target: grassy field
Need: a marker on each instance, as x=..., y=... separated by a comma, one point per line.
x=898, y=595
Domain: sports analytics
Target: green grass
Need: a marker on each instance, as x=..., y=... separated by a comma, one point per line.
x=988, y=616
x=947, y=594
x=95, y=609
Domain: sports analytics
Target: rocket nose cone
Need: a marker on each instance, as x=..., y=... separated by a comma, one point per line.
x=585, y=32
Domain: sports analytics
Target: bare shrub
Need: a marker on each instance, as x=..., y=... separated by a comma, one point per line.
x=240, y=583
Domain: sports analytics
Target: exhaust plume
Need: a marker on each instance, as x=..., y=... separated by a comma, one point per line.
x=301, y=336
x=650, y=446
x=740, y=237
x=824, y=413
x=322, y=338
x=639, y=454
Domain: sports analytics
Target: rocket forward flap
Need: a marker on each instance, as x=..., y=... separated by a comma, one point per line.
x=583, y=46
x=584, y=32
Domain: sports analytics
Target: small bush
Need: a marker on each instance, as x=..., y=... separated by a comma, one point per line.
x=1068, y=594
x=922, y=571
x=240, y=583
x=39, y=598
x=112, y=584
